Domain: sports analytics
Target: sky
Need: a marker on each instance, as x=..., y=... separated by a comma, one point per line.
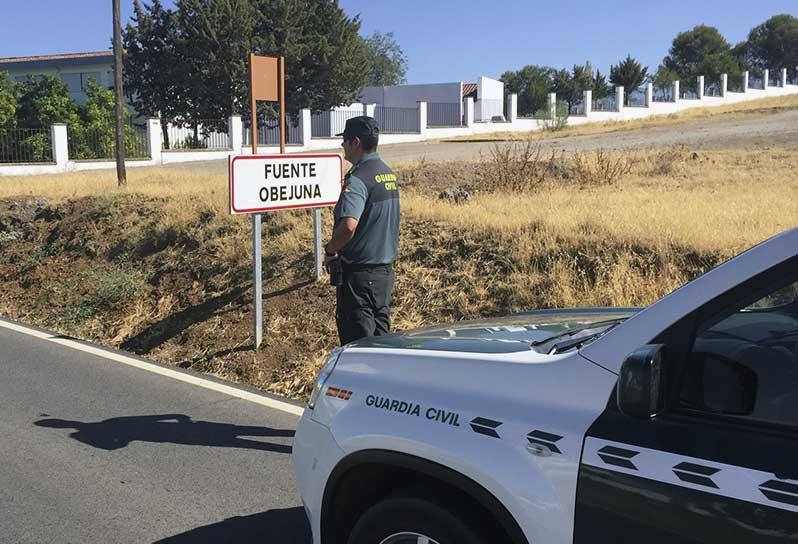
x=446, y=40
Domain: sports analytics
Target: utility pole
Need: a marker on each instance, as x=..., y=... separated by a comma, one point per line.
x=121, y=176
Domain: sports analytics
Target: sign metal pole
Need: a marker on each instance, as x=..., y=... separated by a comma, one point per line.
x=257, y=248
x=317, y=242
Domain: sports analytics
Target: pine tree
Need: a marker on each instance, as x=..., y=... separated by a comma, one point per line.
x=629, y=74
x=155, y=75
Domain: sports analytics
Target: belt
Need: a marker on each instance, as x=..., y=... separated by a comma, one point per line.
x=358, y=267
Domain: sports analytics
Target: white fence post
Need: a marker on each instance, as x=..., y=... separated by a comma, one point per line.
x=154, y=139
x=553, y=105
x=700, y=87
x=370, y=109
x=765, y=78
x=724, y=85
x=587, y=100
x=619, y=98
x=783, y=77
x=676, y=91
x=422, y=117
x=512, y=106
x=745, y=81
x=235, y=134
x=469, y=111
x=60, y=142
x=649, y=94
x=307, y=126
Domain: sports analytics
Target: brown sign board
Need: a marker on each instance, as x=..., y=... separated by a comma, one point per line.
x=264, y=77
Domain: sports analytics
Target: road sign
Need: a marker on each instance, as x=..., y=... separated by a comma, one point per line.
x=264, y=183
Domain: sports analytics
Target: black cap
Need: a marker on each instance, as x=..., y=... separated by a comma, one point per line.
x=360, y=126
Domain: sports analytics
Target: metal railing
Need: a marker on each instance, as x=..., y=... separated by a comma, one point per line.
x=395, y=120
x=688, y=94
x=712, y=89
x=792, y=76
x=269, y=132
x=326, y=124
x=577, y=108
x=607, y=103
x=663, y=94
x=21, y=145
x=542, y=113
x=636, y=98
x=774, y=80
x=734, y=83
x=85, y=143
x=444, y=114
x=203, y=134
x=489, y=109
x=755, y=83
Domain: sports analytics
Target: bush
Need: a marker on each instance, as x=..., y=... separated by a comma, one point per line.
x=519, y=166
x=600, y=167
x=559, y=120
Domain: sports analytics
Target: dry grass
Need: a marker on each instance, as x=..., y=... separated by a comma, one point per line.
x=161, y=269
x=722, y=201
x=730, y=111
x=185, y=192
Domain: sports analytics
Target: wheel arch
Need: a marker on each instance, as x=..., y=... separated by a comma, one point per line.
x=379, y=462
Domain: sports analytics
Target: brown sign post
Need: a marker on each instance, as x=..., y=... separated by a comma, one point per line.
x=266, y=82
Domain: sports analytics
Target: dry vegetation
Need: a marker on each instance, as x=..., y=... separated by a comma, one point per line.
x=729, y=111
x=161, y=269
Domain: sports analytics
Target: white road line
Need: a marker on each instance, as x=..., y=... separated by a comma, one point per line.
x=149, y=367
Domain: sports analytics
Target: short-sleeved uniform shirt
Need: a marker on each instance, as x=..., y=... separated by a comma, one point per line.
x=371, y=195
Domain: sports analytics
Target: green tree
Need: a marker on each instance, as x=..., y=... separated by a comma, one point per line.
x=773, y=45
x=582, y=79
x=43, y=101
x=740, y=54
x=387, y=64
x=532, y=84
x=601, y=89
x=8, y=102
x=214, y=39
x=562, y=84
x=156, y=79
x=629, y=74
x=326, y=59
x=570, y=86
x=700, y=51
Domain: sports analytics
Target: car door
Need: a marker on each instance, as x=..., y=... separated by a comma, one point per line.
x=720, y=462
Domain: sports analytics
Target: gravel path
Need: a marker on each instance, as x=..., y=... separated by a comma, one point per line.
x=754, y=131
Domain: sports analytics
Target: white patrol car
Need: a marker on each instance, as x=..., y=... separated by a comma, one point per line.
x=674, y=424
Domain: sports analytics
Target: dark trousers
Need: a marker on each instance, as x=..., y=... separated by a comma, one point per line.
x=363, y=302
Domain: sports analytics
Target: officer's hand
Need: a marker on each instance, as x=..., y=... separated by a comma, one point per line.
x=327, y=259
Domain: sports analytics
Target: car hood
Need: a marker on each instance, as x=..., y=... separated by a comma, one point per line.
x=507, y=334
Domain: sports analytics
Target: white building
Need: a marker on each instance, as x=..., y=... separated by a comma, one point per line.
x=444, y=100
x=74, y=69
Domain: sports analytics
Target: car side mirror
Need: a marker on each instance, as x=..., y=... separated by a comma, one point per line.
x=640, y=383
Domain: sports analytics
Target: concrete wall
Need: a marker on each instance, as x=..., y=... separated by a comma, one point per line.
x=159, y=156
x=406, y=96
x=489, y=89
x=490, y=99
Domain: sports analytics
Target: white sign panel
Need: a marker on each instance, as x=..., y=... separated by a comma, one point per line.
x=263, y=183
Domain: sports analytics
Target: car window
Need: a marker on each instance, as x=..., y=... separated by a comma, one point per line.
x=744, y=362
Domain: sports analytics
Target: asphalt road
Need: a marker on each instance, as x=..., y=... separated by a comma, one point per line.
x=93, y=450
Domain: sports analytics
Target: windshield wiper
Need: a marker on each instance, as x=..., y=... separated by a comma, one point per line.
x=574, y=342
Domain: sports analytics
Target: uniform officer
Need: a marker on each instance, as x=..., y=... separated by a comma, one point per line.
x=365, y=236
